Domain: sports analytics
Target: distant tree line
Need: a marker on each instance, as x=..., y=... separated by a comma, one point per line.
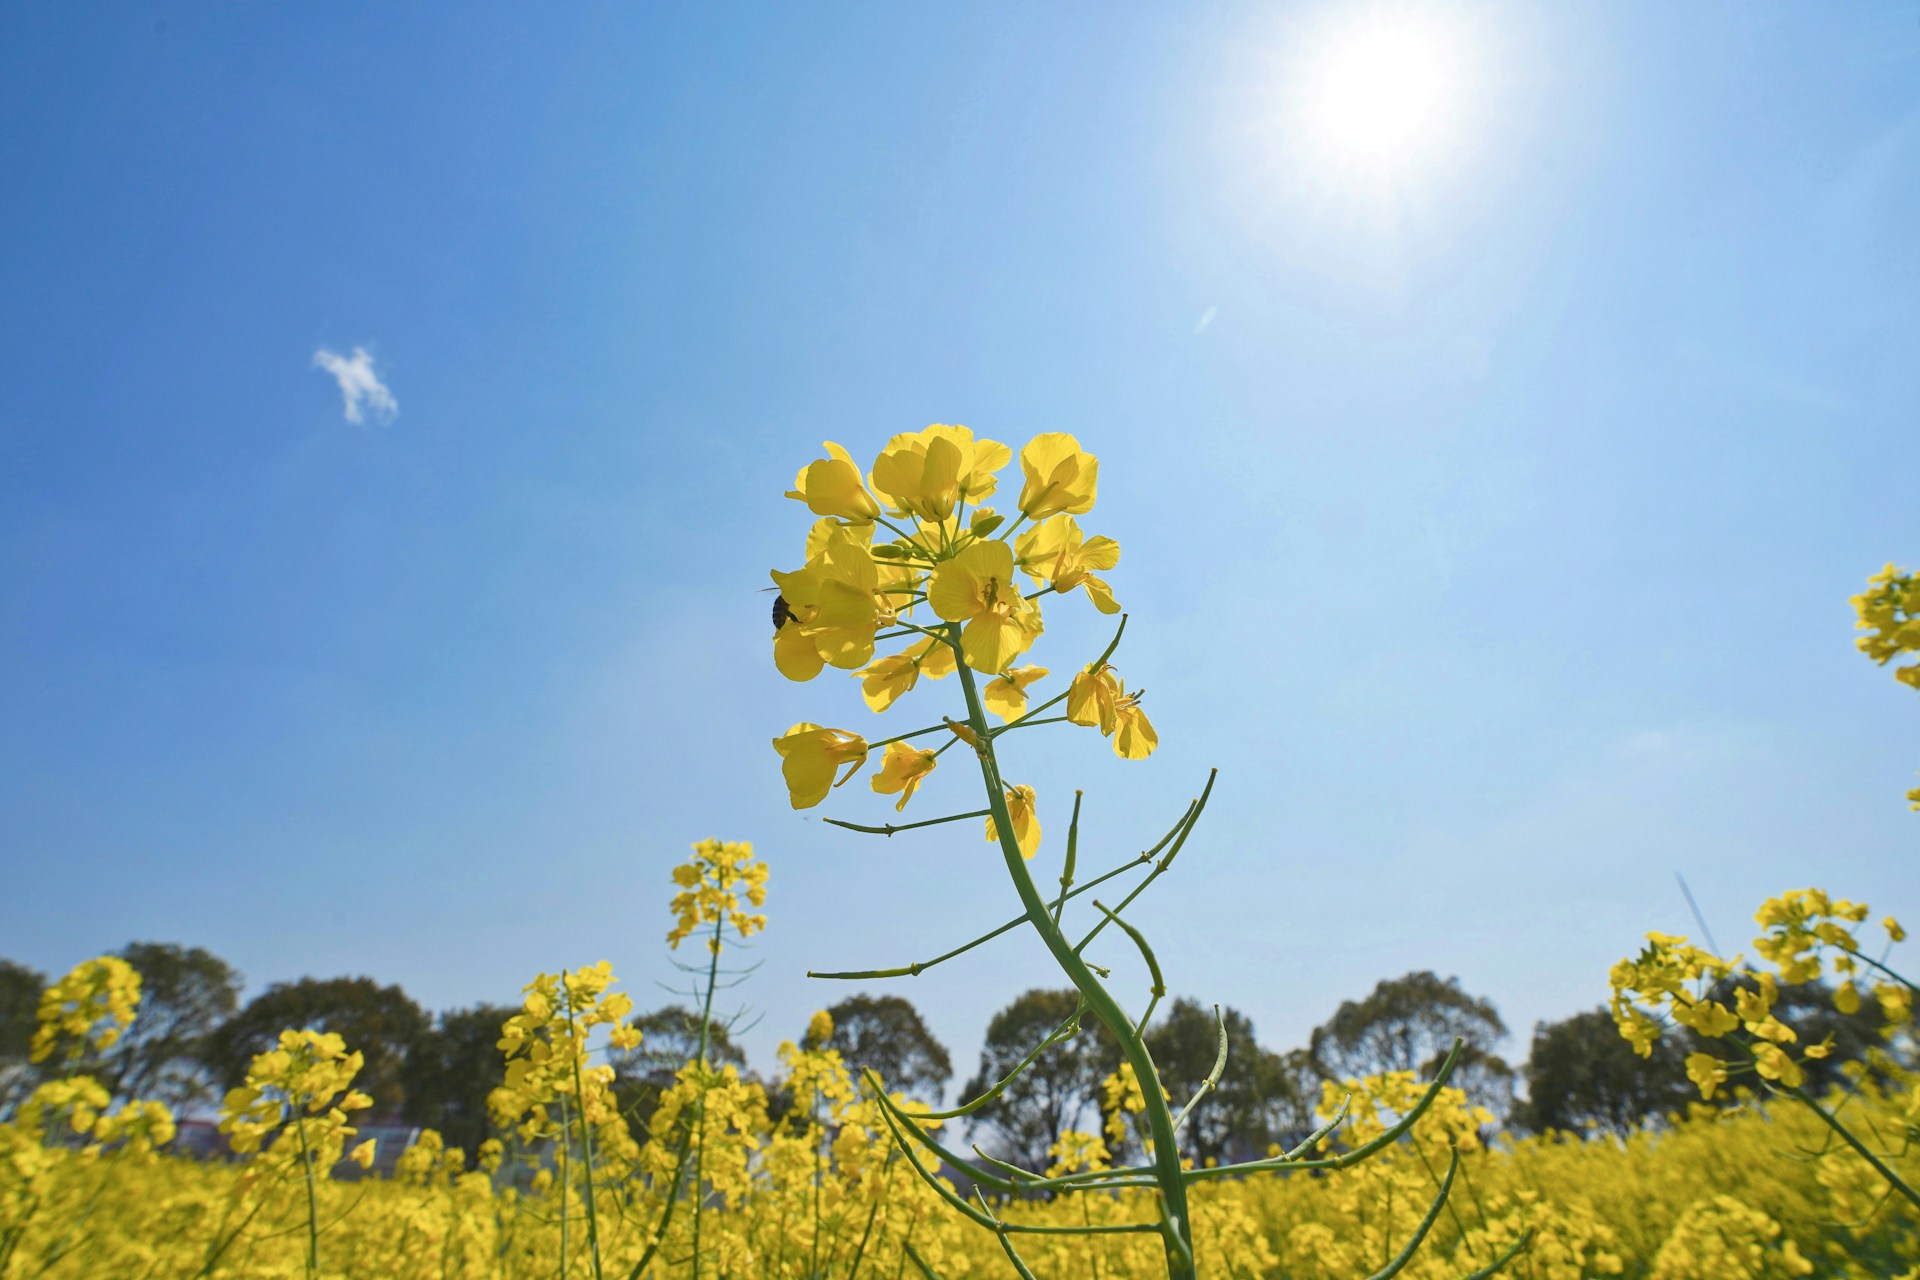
x=194, y=1038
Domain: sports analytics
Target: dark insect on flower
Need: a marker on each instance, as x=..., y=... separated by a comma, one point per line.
x=781, y=612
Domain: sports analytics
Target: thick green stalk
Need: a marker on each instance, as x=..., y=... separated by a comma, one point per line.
x=1176, y=1226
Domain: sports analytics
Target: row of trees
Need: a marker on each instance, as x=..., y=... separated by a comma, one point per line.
x=194, y=1039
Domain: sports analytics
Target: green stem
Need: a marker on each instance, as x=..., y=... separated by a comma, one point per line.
x=1159, y=869
x=918, y=967
x=1073, y=853
x=1846, y=1135
x=313, y=1207
x=1062, y=1032
x=586, y=1132
x=893, y=827
x=1176, y=1224
x=700, y=1103
x=1028, y=724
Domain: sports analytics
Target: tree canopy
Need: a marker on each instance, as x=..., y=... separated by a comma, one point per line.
x=1409, y=1023
x=382, y=1023
x=1053, y=1094
x=1260, y=1098
x=887, y=1034
x=451, y=1069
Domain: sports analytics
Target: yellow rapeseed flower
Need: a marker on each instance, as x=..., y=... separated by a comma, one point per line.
x=811, y=756
x=901, y=771
x=928, y=473
x=831, y=486
x=885, y=680
x=834, y=605
x=1060, y=476
x=1057, y=553
x=977, y=587
x=90, y=1007
x=1006, y=694
x=1707, y=1072
x=1026, y=824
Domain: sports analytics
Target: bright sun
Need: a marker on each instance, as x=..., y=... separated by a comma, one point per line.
x=1382, y=92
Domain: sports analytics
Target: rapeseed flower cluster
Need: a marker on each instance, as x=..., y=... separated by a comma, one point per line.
x=712, y=885
x=88, y=1008
x=1717, y=999
x=552, y=1082
x=305, y=1082
x=908, y=551
x=1889, y=612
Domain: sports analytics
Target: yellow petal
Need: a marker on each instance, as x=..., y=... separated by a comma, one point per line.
x=795, y=655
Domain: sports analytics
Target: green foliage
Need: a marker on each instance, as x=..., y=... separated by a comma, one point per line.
x=1408, y=1024
x=1582, y=1076
x=887, y=1034
x=186, y=994
x=1262, y=1097
x=1057, y=1092
x=450, y=1071
x=20, y=989
x=382, y=1023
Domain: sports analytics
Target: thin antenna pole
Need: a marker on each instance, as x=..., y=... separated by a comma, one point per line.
x=1698, y=919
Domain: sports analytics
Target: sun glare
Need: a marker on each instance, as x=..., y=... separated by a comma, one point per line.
x=1382, y=92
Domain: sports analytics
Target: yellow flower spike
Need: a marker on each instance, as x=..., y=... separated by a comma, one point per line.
x=90, y=1005
x=1846, y=998
x=1060, y=477
x=831, y=486
x=712, y=883
x=1006, y=694
x=901, y=771
x=1056, y=552
x=1894, y=932
x=1026, y=824
x=362, y=1155
x=811, y=756
x=977, y=587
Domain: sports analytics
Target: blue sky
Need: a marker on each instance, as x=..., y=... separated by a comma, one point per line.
x=1490, y=523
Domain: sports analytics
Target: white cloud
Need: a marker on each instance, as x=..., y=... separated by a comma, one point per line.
x=360, y=387
x=1206, y=319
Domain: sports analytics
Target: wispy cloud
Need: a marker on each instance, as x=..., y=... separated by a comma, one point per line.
x=360, y=387
x=1205, y=321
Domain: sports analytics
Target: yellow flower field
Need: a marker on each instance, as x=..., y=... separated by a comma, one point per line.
x=819, y=1173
